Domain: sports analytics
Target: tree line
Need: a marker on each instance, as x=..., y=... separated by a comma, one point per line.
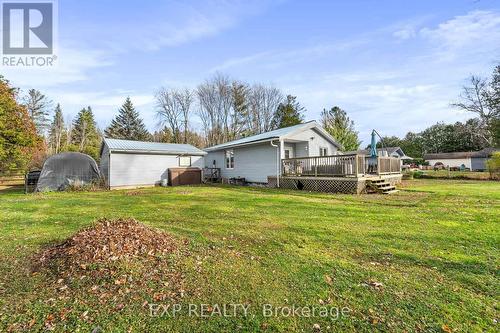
x=31, y=127
x=479, y=96
x=228, y=109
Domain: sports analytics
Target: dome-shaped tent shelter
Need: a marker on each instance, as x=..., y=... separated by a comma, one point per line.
x=65, y=169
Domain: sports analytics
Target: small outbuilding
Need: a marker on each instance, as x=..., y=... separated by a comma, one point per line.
x=66, y=169
x=472, y=160
x=129, y=164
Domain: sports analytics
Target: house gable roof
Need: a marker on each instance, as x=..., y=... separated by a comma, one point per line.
x=275, y=134
x=129, y=146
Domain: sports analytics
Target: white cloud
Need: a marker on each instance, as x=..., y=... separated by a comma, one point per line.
x=405, y=33
x=477, y=27
x=476, y=34
x=71, y=65
x=279, y=58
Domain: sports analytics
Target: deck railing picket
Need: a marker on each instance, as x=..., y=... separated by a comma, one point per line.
x=337, y=165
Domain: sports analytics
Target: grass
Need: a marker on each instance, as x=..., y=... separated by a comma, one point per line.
x=433, y=248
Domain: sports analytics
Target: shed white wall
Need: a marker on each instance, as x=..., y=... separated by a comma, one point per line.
x=312, y=146
x=254, y=162
x=452, y=162
x=129, y=169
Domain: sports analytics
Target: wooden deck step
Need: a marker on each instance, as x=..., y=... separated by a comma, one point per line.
x=380, y=186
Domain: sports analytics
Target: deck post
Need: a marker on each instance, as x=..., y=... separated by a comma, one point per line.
x=315, y=167
x=355, y=171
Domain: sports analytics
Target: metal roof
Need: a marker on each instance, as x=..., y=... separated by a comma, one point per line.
x=275, y=134
x=151, y=147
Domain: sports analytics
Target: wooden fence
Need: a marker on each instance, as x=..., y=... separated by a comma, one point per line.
x=11, y=179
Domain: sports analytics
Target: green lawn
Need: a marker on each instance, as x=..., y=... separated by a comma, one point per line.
x=433, y=247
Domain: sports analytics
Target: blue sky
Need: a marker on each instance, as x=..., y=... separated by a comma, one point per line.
x=392, y=65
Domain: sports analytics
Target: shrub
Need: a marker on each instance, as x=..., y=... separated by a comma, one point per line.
x=493, y=165
x=418, y=174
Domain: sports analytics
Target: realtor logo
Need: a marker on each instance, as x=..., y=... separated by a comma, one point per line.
x=27, y=28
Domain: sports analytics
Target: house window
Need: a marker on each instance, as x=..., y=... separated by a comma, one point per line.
x=229, y=159
x=287, y=153
x=323, y=151
x=184, y=161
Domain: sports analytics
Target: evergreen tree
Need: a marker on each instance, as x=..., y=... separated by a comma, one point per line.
x=19, y=140
x=85, y=136
x=336, y=122
x=288, y=113
x=38, y=105
x=57, y=132
x=127, y=124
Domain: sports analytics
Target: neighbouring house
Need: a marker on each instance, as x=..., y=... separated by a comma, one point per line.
x=128, y=164
x=473, y=160
x=257, y=157
x=386, y=151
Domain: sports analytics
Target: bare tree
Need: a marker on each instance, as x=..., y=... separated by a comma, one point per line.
x=477, y=97
x=215, y=108
x=264, y=100
x=169, y=111
x=184, y=99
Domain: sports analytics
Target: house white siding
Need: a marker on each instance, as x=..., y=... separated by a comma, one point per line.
x=312, y=141
x=452, y=162
x=133, y=169
x=254, y=162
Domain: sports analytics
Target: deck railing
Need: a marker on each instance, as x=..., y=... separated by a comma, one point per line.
x=388, y=165
x=351, y=165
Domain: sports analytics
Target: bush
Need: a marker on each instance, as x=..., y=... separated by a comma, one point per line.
x=493, y=165
x=418, y=174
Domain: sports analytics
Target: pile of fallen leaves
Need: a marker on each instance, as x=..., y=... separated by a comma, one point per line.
x=110, y=240
x=111, y=266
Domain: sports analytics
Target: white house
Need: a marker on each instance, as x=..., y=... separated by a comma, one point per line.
x=126, y=163
x=257, y=157
x=473, y=160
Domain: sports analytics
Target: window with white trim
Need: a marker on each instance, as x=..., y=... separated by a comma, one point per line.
x=323, y=151
x=184, y=161
x=229, y=159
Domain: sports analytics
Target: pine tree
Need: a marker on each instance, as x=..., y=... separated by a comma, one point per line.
x=336, y=122
x=37, y=105
x=127, y=124
x=85, y=136
x=57, y=132
x=288, y=113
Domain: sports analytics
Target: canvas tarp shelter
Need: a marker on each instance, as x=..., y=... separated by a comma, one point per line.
x=65, y=169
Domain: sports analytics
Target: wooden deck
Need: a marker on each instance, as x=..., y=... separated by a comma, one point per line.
x=352, y=165
x=337, y=173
